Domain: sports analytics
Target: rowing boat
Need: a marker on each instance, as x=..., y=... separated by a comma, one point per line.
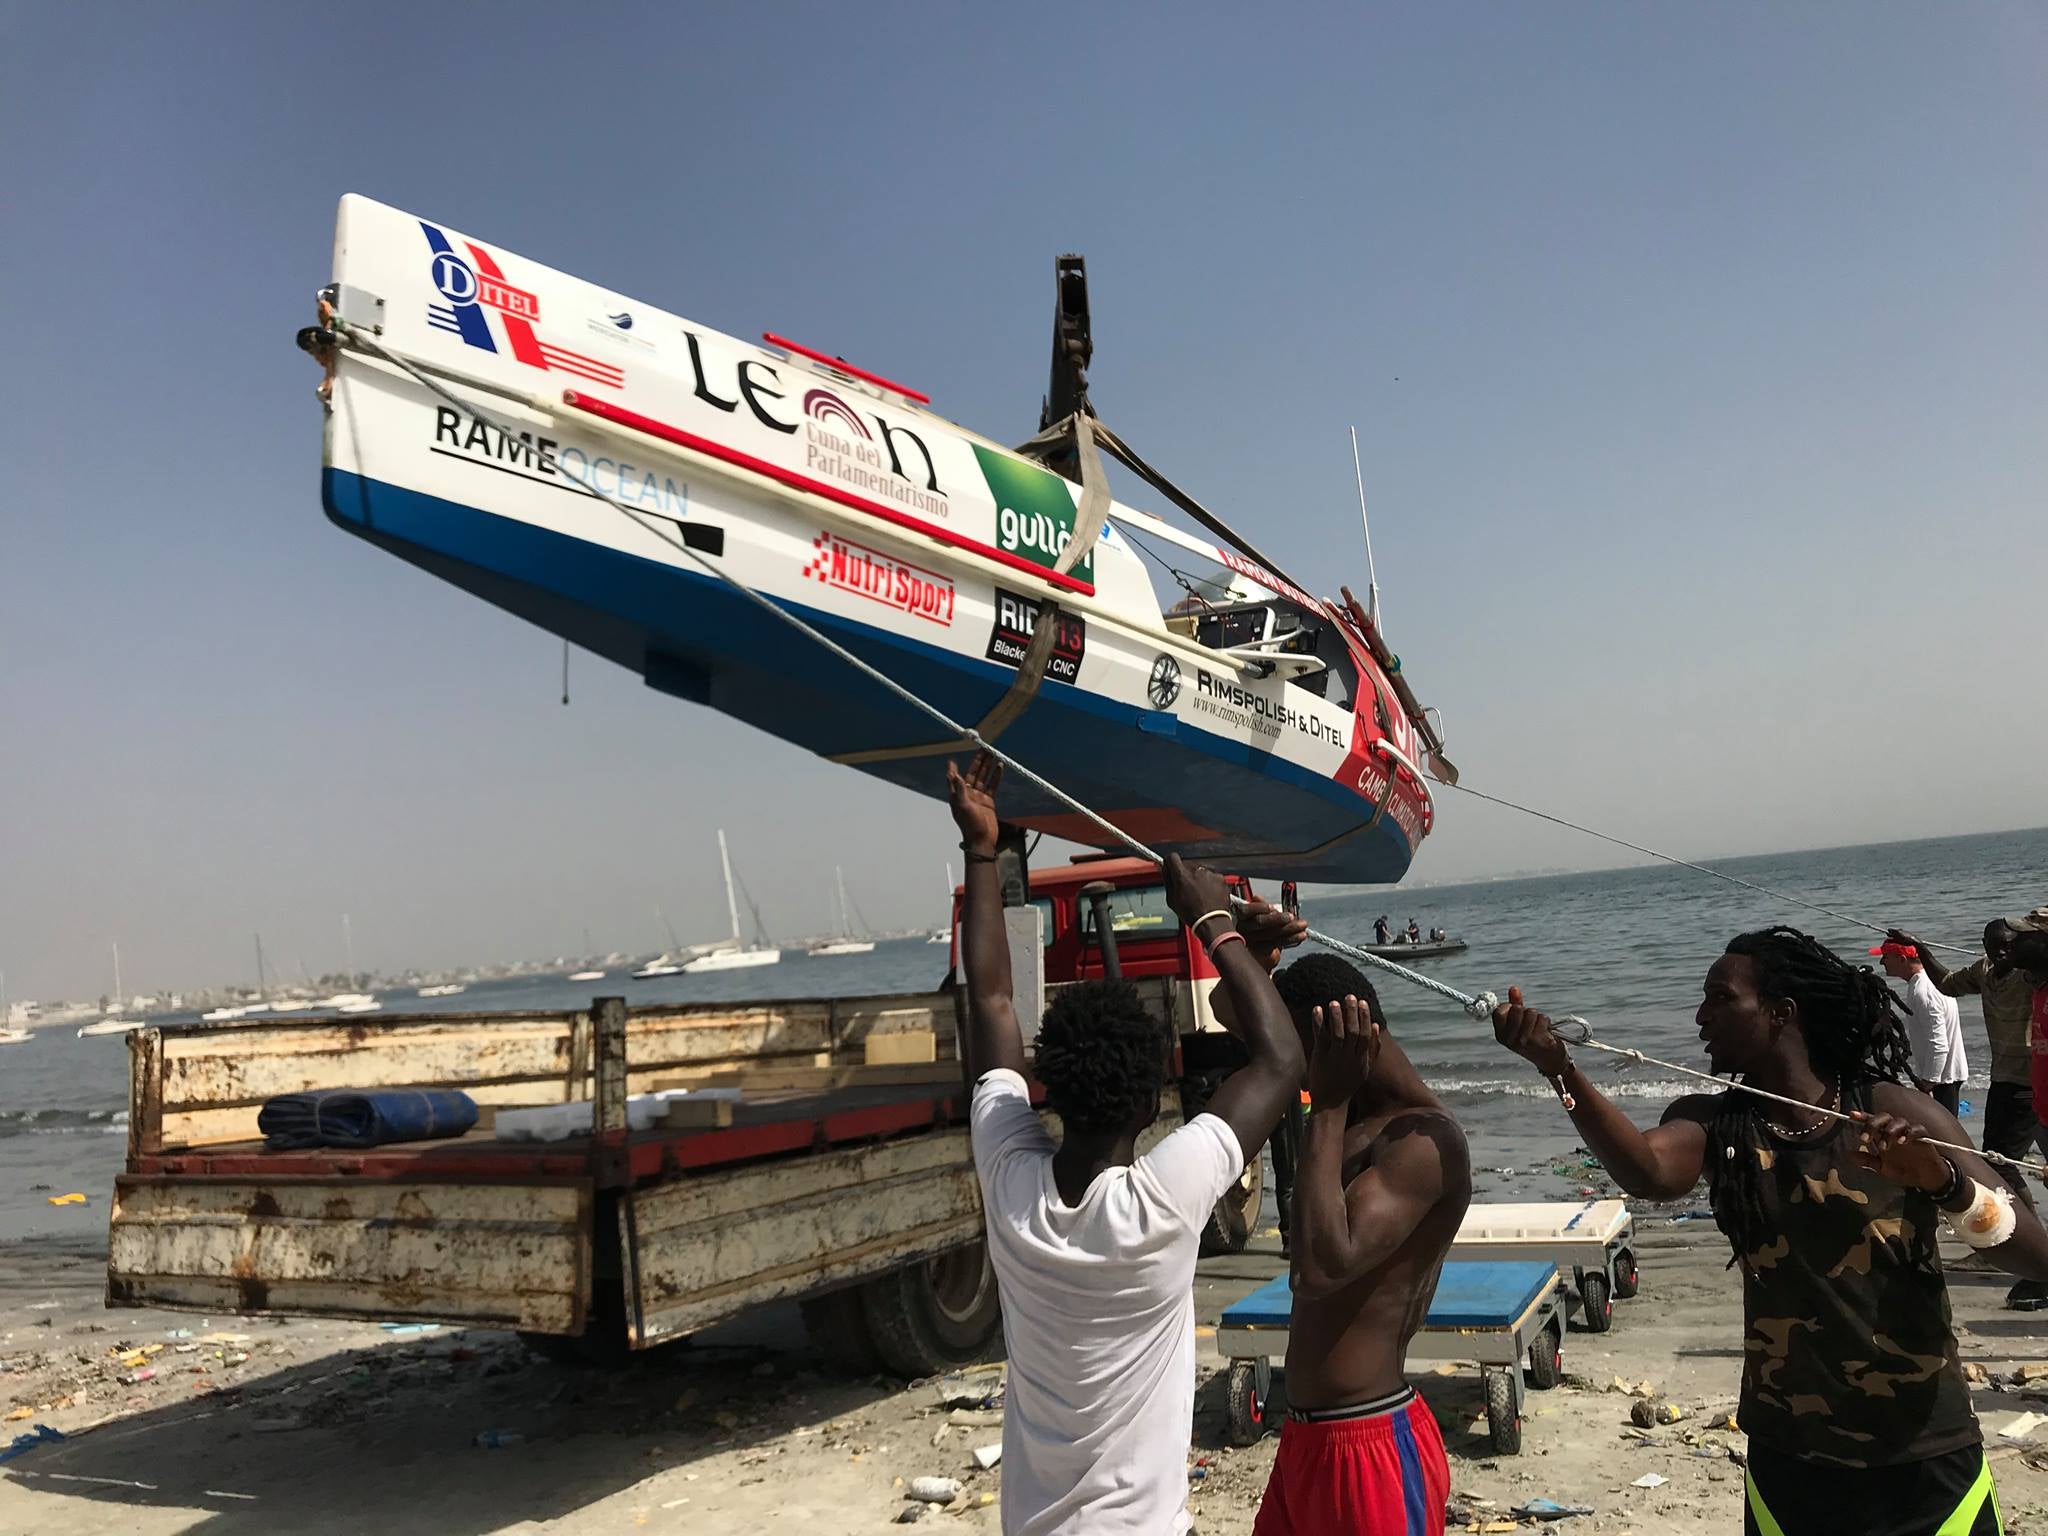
x=607, y=470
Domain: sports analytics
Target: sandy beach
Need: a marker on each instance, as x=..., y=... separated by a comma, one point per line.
x=251, y=1425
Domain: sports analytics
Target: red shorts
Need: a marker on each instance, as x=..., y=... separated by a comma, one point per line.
x=1384, y=1473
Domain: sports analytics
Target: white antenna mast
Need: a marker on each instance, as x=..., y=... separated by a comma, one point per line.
x=1372, y=576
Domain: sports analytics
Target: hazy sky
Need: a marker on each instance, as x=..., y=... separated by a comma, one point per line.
x=1698, y=353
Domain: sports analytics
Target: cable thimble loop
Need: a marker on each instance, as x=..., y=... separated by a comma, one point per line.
x=1482, y=1006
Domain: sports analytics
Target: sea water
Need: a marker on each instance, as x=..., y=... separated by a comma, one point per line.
x=1626, y=948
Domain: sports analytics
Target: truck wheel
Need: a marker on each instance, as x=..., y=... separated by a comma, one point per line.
x=1237, y=1213
x=1625, y=1276
x=1503, y=1424
x=1546, y=1357
x=838, y=1327
x=1250, y=1382
x=934, y=1316
x=1598, y=1302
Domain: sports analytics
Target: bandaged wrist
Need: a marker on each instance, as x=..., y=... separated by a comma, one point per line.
x=1989, y=1221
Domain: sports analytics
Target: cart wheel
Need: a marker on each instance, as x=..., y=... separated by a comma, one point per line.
x=1250, y=1381
x=1599, y=1302
x=1503, y=1424
x=1546, y=1357
x=1624, y=1274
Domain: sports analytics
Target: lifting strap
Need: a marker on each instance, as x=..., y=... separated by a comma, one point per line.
x=1089, y=518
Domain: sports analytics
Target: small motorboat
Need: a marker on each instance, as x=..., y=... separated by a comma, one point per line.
x=444, y=989
x=1424, y=949
x=591, y=975
x=13, y=1036
x=663, y=966
x=589, y=463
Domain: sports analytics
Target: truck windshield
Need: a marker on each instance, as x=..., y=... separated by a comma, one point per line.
x=1139, y=912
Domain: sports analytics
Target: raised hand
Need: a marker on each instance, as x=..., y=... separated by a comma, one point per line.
x=1346, y=1044
x=1268, y=930
x=972, y=797
x=1528, y=1034
x=1193, y=889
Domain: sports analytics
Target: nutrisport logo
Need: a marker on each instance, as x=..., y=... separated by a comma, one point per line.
x=880, y=578
x=474, y=289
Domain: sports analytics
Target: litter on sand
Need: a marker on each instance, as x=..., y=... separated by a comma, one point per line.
x=935, y=1490
x=74, y=1198
x=1650, y=1480
x=2022, y=1425
x=1549, y=1509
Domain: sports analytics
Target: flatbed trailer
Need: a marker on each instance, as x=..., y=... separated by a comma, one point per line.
x=842, y=1184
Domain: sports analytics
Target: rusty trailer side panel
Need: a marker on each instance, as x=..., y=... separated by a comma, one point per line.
x=510, y=1255
x=699, y=1249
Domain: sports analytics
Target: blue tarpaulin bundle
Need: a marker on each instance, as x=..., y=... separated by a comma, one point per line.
x=353, y=1117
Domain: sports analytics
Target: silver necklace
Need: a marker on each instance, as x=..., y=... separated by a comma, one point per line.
x=1826, y=1104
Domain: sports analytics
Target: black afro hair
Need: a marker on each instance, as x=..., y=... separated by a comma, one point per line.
x=1321, y=978
x=1101, y=1056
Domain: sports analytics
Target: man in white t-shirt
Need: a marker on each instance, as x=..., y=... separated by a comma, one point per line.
x=1093, y=1246
x=1934, y=1025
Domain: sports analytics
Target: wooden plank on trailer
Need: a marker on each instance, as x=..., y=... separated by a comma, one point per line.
x=902, y=1047
x=695, y=1114
x=822, y=1079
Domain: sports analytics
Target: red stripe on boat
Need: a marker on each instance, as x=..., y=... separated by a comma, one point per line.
x=843, y=366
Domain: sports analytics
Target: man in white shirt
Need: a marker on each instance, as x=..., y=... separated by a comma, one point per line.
x=1093, y=1246
x=1934, y=1024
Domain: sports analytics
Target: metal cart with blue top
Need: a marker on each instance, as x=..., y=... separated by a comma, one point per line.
x=1499, y=1314
x=1593, y=1241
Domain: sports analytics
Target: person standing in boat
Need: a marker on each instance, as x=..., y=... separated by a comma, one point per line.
x=2012, y=1127
x=1094, y=1246
x=1853, y=1397
x=1934, y=1025
x=1382, y=930
x=1383, y=1180
x=1414, y=933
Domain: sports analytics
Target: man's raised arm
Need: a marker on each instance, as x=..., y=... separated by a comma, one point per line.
x=993, y=1040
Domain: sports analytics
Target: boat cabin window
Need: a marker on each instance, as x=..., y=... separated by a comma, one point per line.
x=1280, y=628
x=1137, y=912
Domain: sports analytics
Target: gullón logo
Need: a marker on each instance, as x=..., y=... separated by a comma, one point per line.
x=1034, y=511
x=1164, y=685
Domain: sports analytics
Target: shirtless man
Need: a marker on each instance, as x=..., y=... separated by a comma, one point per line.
x=1383, y=1182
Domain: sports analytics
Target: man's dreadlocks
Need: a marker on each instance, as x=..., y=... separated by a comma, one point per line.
x=1854, y=1033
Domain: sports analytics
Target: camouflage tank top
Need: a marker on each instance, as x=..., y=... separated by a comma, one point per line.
x=1848, y=1353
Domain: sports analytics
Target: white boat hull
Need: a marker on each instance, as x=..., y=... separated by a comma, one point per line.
x=110, y=1027
x=922, y=548
x=732, y=960
x=841, y=947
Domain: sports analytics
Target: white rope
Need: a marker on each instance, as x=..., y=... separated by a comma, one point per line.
x=1672, y=858
x=1479, y=1007
x=1582, y=1035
